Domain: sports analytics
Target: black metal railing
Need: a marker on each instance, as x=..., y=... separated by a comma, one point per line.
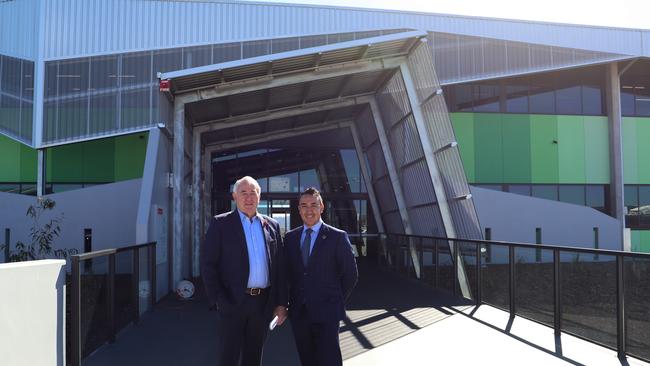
x=110, y=289
x=601, y=296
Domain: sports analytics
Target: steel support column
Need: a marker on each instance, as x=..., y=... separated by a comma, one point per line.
x=394, y=180
x=616, y=187
x=41, y=176
x=434, y=171
x=196, y=202
x=365, y=172
x=178, y=164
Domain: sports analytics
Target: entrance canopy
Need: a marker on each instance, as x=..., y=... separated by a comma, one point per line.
x=382, y=92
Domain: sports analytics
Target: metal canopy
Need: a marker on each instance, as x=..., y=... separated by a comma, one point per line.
x=266, y=67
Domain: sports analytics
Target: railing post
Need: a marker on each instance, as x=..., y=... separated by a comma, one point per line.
x=152, y=274
x=557, y=305
x=437, y=262
x=7, y=244
x=621, y=329
x=454, y=261
x=110, y=298
x=75, y=313
x=511, y=267
x=478, y=275
x=136, y=285
x=421, y=258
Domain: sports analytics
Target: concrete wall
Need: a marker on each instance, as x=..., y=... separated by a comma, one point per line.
x=109, y=210
x=154, y=209
x=32, y=313
x=514, y=217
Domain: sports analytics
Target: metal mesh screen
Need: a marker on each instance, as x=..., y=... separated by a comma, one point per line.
x=16, y=98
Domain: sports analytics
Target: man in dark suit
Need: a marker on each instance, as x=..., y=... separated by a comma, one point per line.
x=321, y=272
x=244, y=281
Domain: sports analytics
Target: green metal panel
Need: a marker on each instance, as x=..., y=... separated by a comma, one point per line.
x=65, y=164
x=571, y=149
x=641, y=241
x=130, y=153
x=643, y=149
x=488, y=137
x=596, y=150
x=28, y=164
x=630, y=165
x=516, y=148
x=463, y=124
x=9, y=160
x=544, y=151
x=99, y=161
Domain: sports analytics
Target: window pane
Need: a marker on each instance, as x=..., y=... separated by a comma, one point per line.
x=103, y=73
x=592, y=101
x=596, y=197
x=351, y=164
x=308, y=178
x=542, y=97
x=284, y=44
x=197, y=56
x=136, y=69
x=522, y=189
x=256, y=48
x=642, y=101
x=568, y=100
x=627, y=100
x=631, y=205
x=226, y=52
x=486, y=98
x=517, y=99
x=73, y=77
x=644, y=206
x=572, y=194
x=313, y=41
x=548, y=192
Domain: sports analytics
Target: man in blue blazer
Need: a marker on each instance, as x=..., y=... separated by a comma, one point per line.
x=243, y=276
x=321, y=272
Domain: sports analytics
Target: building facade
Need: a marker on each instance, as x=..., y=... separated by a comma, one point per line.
x=547, y=123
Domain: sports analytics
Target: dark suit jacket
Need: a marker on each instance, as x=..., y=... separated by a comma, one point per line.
x=329, y=278
x=224, y=261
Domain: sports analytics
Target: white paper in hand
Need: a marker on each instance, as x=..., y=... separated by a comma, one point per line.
x=273, y=323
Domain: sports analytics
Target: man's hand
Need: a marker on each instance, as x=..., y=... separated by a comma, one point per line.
x=281, y=313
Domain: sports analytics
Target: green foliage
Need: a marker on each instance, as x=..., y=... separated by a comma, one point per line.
x=42, y=236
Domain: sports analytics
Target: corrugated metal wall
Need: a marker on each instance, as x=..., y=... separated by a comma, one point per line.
x=460, y=58
x=441, y=134
x=19, y=28
x=16, y=98
x=380, y=179
x=89, y=27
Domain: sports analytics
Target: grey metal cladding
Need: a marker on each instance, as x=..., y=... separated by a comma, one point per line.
x=385, y=194
x=416, y=183
x=393, y=222
x=461, y=58
x=426, y=220
x=16, y=98
x=393, y=101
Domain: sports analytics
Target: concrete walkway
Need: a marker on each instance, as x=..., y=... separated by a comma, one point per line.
x=390, y=321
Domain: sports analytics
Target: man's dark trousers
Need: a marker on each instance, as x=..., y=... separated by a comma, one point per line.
x=245, y=329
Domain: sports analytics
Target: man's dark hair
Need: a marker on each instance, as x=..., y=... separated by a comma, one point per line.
x=311, y=191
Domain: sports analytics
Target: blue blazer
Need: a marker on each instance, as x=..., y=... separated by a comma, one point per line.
x=329, y=278
x=224, y=261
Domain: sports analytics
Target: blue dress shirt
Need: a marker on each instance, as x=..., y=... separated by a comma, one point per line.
x=258, y=275
x=314, y=234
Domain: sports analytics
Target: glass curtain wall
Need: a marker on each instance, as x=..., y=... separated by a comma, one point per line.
x=284, y=173
x=95, y=96
x=16, y=98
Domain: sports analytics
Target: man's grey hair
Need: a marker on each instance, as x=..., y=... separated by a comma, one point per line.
x=247, y=179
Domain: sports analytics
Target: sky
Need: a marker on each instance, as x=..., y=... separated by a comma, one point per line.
x=611, y=13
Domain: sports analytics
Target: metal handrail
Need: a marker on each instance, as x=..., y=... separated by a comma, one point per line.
x=76, y=349
x=454, y=252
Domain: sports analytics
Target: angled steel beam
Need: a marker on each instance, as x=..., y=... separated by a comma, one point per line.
x=365, y=172
x=178, y=166
x=434, y=172
x=274, y=81
x=243, y=120
x=394, y=180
